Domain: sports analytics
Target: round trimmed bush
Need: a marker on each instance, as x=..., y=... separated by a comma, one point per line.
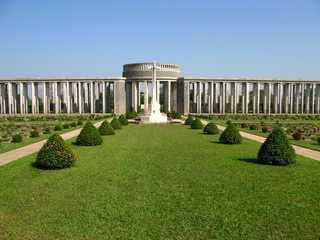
x=73, y=124
x=211, y=128
x=131, y=115
x=253, y=127
x=57, y=127
x=297, y=136
x=66, y=126
x=230, y=135
x=228, y=122
x=34, y=134
x=244, y=125
x=123, y=120
x=318, y=140
x=106, y=129
x=264, y=129
x=47, y=130
x=89, y=136
x=277, y=150
x=17, y=138
x=189, y=121
x=197, y=124
x=55, y=154
x=115, y=124
x=176, y=115
x=80, y=122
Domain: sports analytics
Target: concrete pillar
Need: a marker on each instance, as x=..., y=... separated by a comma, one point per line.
x=129, y=96
x=317, y=97
x=205, y=97
x=146, y=97
x=135, y=96
x=44, y=98
x=195, y=93
x=222, y=97
x=96, y=97
x=199, y=103
x=33, y=98
x=297, y=95
x=21, y=98
x=291, y=97
x=138, y=96
x=307, y=98
x=108, y=96
x=2, y=99
x=233, y=98
x=119, y=97
x=103, y=97
x=286, y=98
x=158, y=91
x=313, y=98
x=267, y=99
x=14, y=98
x=80, y=98
x=174, y=94
x=211, y=102
x=183, y=96
x=91, y=97
x=302, y=98
x=169, y=96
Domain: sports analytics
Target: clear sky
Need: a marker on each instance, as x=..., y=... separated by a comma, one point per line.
x=208, y=38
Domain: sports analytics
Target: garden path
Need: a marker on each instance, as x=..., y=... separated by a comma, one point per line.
x=26, y=150
x=299, y=150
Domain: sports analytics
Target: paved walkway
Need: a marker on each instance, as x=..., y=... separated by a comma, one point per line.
x=26, y=150
x=299, y=150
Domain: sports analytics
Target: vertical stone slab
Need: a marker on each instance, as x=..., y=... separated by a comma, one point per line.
x=307, y=98
x=119, y=97
x=146, y=97
x=174, y=95
x=108, y=97
x=183, y=96
x=129, y=96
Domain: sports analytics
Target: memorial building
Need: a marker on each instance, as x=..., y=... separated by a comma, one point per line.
x=183, y=94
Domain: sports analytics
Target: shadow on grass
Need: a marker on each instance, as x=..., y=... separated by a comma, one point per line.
x=250, y=160
x=216, y=142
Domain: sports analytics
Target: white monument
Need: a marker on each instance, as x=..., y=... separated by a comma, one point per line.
x=154, y=114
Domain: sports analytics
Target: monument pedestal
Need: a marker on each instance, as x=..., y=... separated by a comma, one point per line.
x=155, y=115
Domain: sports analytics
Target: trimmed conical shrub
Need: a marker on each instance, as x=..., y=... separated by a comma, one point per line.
x=89, y=136
x=106, y=129
x=230, y=135
x=277, y=150
x=123, y=120
x=197, y=124
x=115, y=124
x=189, y=121
x=211, y=128
x=55, y=154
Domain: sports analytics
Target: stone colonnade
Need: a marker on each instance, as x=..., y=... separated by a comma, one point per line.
x=186, y=95
x=44, y=96
x=254, y=96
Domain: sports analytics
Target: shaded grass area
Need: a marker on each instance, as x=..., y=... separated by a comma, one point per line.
x=161, y=182
x=311, y=144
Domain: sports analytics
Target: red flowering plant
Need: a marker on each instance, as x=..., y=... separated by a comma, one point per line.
x=55, y=154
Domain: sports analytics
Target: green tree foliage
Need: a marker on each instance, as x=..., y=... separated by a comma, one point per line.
x=230, y=135
x=297, y=136
x=115, y=124
x=89, y=136
x=197, y=124
x=189, y=121
x=211, y=128
x=176, y=115
x=123, y=120
x=277, y=150
x=55, y=154
x=106, y=129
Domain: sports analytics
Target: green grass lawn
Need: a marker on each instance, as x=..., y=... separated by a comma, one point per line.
x=161, y=182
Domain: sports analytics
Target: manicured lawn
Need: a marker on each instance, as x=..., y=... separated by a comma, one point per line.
x=161, y=182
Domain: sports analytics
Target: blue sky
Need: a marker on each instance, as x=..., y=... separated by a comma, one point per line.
x=208, y=38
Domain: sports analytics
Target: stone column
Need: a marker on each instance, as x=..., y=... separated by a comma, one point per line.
x=129, y=96
x=92, y=98
x=297, y=95
x=307, y=98
x=211, y=102
x=222, y=97
x=317, y=106
x=14, y=98
x=119, y=97
x=174, y=105
x=103, y=97
x=313, y=98
x=134, y=96
x=2, y=99
x=183, y=96
x=138, y=96
x=286, y=98
x=44, y=98
x=195, y=93
x=33, y=98
x=291, y=97
x=96, y=97
x=146, y=97
x=302, y=98
x=233, y=98
x=108, y=96
x=199, y=103
x=205, y=97
x=158, y=91
x=267, y=93
x=21, y=98
x=80, y=99
x=75, y=104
